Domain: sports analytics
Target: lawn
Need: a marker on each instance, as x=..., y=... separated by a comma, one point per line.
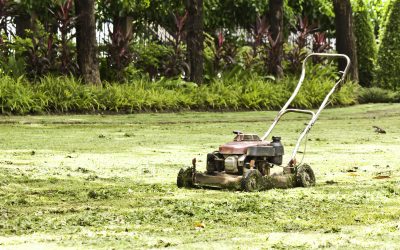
x=103, y=181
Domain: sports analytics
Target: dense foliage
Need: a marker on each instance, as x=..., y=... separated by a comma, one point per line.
x=143, y=48
x=378, y=95
x=317, y=11
x=65, y=94
x=388, y=64
x=376, y=10
x=154, y=27
x=366, y=44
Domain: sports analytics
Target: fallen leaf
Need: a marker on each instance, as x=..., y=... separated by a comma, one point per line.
x=331, y=182
x=381, y=177
x=199, y=225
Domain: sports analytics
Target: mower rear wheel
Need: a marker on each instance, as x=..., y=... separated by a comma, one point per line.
x=252, y=181
x=305, y=176
x=185, y=178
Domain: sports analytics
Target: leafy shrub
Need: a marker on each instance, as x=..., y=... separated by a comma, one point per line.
x=17, y=97
x=378, y=95
x=151, y=58
x=366, y=45
x=66, y=94
x=388, y=65
x=219, y=56
x=11, y=65
x=318, y=82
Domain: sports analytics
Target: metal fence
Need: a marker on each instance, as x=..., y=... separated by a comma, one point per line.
x=153, y=31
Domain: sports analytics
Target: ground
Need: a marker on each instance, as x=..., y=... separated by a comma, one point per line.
x=100, y=181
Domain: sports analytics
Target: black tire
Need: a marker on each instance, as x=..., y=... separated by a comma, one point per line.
x=185, y=178
x=179, y=179
x=252, y=181
x=305, y=176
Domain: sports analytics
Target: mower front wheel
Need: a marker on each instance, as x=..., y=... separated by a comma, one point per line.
x=185, y=178
x=252, y=181
x=305, y=176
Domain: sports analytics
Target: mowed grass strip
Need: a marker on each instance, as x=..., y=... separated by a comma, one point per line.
x=98, y=181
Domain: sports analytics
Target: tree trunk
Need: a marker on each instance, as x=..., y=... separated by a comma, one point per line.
x=276, y=41
x=345, y=38
x=120, y=55
x=125, y=25
x=86, y=42
x=23, y=22
x=195, y=39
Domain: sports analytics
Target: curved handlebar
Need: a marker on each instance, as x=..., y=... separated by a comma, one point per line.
x=315, y=115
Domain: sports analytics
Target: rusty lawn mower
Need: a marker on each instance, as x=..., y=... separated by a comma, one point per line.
x=247, y=162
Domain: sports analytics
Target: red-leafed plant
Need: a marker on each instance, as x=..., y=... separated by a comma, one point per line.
x=260, y=33
x=66, y=22
x=37, y=49
x=320, y=45
x=320, y=42
x=267, y=48
x=298, y=52
x=120, y=54
x=225, y=52
x=273, y=49
x=180, y=22
x=177, y=62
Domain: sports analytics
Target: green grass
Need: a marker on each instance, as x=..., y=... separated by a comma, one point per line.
x=95, y=181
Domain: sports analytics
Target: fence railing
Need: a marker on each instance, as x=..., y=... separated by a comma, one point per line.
x=153, y=31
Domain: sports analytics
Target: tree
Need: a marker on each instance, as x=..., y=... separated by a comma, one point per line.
x=366, y=44
x=388, y=64
x=122, y=13
x=276, y=37
x=195, y=40
x=29, y=12
x=23, y=21
x=345, y=38
x=86, y=42
x=6, y=11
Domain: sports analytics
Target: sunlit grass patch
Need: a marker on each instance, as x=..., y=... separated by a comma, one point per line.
x=64, y=185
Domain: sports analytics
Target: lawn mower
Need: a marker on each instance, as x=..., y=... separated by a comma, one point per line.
x=247, y=162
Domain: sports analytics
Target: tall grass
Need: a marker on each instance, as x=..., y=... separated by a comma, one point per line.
x=66, y=94
x=17, y=97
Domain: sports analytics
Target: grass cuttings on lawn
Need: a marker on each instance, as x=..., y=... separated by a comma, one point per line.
x=109, y=181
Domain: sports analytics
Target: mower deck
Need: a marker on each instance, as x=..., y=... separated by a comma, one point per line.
x=252, y=180
x=218, y=180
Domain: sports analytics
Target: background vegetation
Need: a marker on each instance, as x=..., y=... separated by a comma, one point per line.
x=142, y=52
x=366, y=44
x=389, y=52
x=64, y=94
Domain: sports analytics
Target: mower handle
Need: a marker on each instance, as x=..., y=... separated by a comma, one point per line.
x=315, y=115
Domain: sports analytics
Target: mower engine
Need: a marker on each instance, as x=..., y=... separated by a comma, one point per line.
x=246, y=152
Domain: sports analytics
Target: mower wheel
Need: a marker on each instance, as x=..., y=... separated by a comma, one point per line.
x=305, y=176
x=252, y=181
x=185, y=178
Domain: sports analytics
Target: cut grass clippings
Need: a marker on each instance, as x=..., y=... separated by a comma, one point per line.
x=81, y=182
